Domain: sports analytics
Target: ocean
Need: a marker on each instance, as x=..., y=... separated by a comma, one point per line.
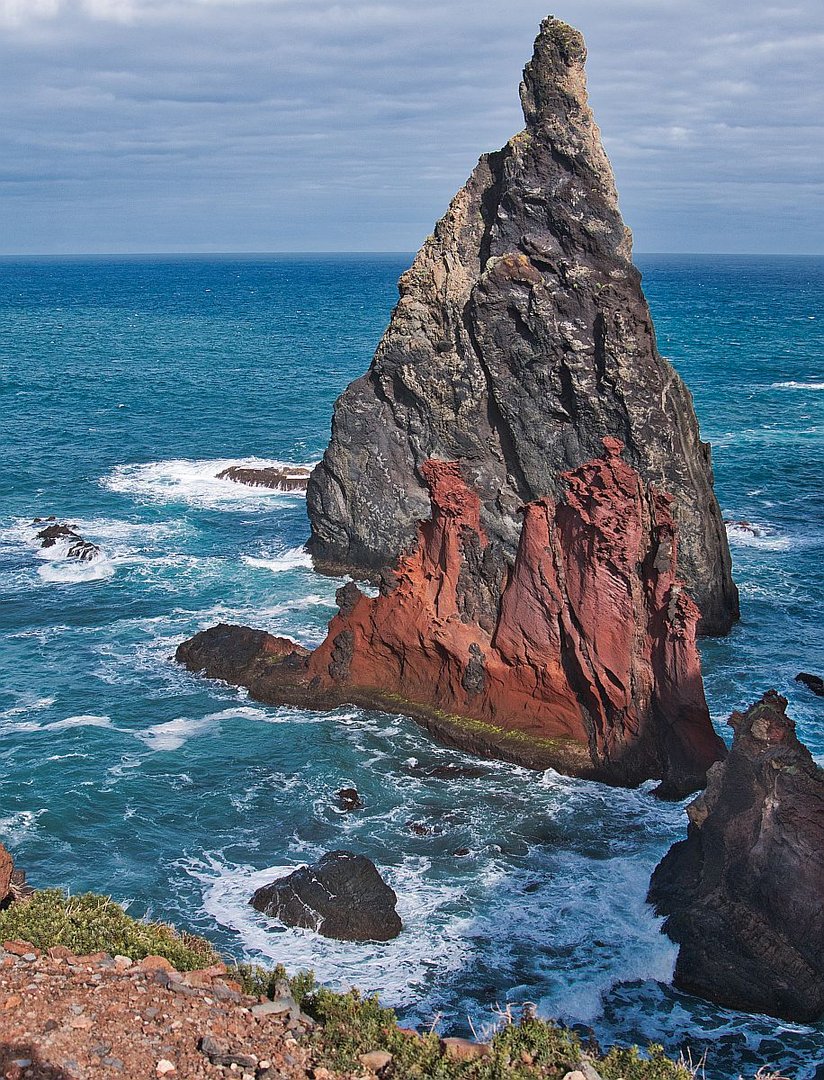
x=127, y=385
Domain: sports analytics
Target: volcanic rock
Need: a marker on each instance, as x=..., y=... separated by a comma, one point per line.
x=341, y=896
x=743, y=893
x=521, y=338
x=13, y=885
x=349, y=799
x=582, y=657
x=77, y=548
x=280, y=479
x=6, y=874
x=232, y=653
x=812, y=682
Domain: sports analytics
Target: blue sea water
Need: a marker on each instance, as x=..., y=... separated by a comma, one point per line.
x=127, y=384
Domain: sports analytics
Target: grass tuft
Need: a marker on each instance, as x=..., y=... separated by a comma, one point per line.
x=89, y=923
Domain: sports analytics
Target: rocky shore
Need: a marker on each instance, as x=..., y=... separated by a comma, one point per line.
x=67, y=1017
x=67, y=1014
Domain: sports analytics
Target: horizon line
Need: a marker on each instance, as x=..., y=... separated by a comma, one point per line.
x=5, y=256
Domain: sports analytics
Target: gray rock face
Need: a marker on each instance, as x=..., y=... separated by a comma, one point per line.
x=340, y=896
x=743, y=893
x=521, y=338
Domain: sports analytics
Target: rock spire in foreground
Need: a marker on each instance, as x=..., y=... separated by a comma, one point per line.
x=521, y=339
x=580, y=657
x=743, y=893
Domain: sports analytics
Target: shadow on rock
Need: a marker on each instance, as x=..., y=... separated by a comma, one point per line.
x=18, y=1060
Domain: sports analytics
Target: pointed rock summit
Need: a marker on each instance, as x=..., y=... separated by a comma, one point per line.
x=520, y=340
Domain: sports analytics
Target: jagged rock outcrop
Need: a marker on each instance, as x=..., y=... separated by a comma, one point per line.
x=340, y=896
x=6, y=875
x=76, y=546
x=13, y=884
x=521, y=338
x=270, y=476
x=581, y=656
x=743, y=893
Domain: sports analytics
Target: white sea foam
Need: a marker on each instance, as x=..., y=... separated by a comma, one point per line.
x=750, y=534
x=302, y=603
x=239, y=712
x=291, y=559
x=428, y=949
x=793, y=385
x=79, y=721
x=10, y=725
x=195, y=483
x=18, y=826
x=34, y=705
x=73, y=571
x=143, y=531
x=173, y=734
x=580, y=902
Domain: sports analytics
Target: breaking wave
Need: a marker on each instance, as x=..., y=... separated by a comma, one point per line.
x=195, y=483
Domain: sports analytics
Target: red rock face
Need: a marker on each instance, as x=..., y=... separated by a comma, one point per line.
x=587, y=642
x=580, y=657
x=6, y=875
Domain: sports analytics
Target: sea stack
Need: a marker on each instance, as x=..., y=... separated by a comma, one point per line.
x=521, y=339
x=743, y=893
x=580, y=657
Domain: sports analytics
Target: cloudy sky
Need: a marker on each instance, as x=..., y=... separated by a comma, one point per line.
x=284, y=125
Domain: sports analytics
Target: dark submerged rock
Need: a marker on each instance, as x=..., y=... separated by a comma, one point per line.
x=349, y=799
x=520, y=340
x=293, y=479
x=812, y=682
x=743, y=893
x=341, y=896
x=78, y=548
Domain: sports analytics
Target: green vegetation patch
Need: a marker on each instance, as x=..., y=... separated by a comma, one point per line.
x=89, y=923
x=350, y=1025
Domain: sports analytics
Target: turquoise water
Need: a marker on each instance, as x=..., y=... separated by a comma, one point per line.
x=126, y=386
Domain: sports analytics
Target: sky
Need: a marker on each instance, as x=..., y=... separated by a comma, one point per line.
x=312, y=125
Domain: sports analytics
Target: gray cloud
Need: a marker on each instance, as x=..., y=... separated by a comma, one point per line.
x=306, y=124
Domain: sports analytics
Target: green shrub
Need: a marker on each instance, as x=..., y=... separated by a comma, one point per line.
x=621, y=1064
x=263, y=982
x=351, y=1025
x=89, y=923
